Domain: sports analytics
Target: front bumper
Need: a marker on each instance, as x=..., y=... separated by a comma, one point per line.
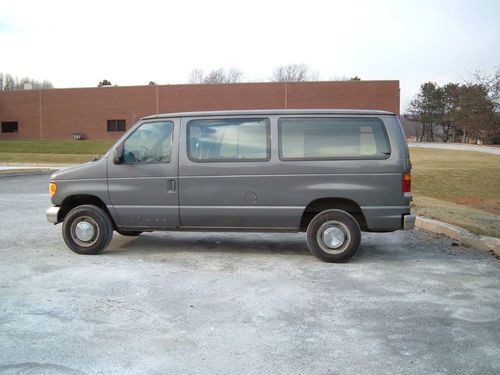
x=53, y=214
x=409, y=221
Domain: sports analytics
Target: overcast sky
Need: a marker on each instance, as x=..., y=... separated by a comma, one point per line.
x=78, y=43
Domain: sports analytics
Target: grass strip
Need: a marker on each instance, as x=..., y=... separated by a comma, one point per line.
x=472, y=219
x=56, y=146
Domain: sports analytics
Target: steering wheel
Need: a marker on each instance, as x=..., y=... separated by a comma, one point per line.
x=129, y=157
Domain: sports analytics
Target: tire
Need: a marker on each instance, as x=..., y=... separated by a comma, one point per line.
x=333, y=236
x=132, y=233
x=87, y=229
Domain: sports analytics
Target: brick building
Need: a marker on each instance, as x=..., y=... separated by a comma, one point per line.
x=105, y=112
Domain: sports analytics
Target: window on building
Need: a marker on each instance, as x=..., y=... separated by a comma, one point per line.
x=229, y=140
x=10, y=127
x=332, y=138
x=116, y=125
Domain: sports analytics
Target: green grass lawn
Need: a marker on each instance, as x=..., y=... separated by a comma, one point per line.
x=458, y=187
x=52, y=151
x=49, y=146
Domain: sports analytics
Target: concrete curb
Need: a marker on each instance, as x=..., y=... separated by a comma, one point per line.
x=27, y=172
x=461, y=235
x=36, y=165
x=8, y=169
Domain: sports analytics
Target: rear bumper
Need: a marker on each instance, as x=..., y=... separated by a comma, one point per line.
x=388, y=218
x=409, y=221
x=53, y=214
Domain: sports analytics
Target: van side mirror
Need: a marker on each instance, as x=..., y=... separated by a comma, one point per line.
x=118, y=154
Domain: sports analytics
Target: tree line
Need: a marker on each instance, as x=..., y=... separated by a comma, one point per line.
x=454, y=112
x=282, y=73
x=8, y=82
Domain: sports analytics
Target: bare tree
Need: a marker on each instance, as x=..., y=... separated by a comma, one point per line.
x=221, y=75
x=293, y=73
x=234, y=76
x=196, y=76
x=215, y=76
x=46, y=84
x=411, y=128
x=492, y=83
x=9, y=82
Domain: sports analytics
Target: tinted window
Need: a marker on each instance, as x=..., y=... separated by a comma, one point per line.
x=150, y=143
x=228, y=140
x=332, y=138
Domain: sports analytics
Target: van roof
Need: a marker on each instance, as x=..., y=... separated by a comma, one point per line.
x=268, y=112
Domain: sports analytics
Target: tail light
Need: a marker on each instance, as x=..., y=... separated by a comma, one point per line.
x=407, y=184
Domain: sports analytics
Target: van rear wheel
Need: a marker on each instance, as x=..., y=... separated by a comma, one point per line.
x=333, y=236
x=87, y=229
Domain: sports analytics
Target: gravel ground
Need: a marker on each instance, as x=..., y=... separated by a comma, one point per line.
x=219, y=303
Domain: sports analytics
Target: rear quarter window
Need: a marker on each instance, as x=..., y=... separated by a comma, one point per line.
x=332, y=138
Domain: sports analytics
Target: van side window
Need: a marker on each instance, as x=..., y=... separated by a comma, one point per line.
x=228, y=140
x=150, y=143
x=332, y=138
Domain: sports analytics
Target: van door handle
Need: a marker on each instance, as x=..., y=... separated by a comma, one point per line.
x=171, y=186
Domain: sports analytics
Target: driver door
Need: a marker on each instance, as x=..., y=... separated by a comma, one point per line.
x=143, y=185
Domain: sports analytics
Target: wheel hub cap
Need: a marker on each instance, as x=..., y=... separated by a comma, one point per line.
x=333, y=237
x=84, y=231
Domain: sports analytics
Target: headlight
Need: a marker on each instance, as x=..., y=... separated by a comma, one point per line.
x=52, y=189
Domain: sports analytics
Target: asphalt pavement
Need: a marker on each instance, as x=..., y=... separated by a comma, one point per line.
x=220, y=303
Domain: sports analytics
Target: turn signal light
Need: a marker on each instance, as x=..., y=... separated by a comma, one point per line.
x=53, y=188
x=407, y=183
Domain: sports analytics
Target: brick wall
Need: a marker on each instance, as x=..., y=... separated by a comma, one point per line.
x=57, y=113
x=23, y=107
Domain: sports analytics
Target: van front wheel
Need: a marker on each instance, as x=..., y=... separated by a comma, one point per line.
x=333, y=236
x=87, y=229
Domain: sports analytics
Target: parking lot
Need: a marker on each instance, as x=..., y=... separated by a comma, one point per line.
x=203, y=303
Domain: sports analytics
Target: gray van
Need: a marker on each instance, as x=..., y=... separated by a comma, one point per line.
x=330, y=173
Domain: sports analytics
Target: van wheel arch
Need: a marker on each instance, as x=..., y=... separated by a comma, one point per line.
x=83, y=199
x=323, y=204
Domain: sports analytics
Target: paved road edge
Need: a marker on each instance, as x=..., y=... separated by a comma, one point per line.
x=461, y=235
x=26, y=172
